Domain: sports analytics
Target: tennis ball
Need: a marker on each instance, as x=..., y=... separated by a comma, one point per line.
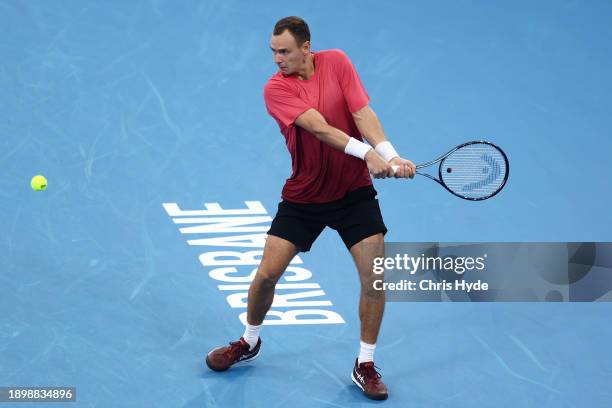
x=38, y=183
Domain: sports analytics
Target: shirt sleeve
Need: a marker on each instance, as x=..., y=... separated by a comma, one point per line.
x=283, y=104
x=352, y=88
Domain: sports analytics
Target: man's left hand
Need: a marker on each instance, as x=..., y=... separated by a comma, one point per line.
x=406, y=169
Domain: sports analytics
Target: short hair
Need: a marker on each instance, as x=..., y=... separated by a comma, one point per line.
x=296, y=26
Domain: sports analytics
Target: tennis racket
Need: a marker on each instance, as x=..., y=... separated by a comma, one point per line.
x=473, y=171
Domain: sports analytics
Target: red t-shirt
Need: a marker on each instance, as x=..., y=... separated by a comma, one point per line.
x=320, y=173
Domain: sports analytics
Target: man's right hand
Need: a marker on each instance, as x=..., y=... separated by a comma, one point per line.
x=378, y=167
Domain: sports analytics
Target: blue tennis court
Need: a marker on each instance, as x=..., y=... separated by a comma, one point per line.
x=146, y=114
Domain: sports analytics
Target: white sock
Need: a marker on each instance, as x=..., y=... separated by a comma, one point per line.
x=251, y=334
x=366, y=352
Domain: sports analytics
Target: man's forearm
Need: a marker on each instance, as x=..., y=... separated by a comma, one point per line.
x=313, y=122
x=337, y=139
x=369, y=126
x=332, y=136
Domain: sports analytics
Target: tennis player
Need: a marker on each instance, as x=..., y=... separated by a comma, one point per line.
x=322, y=110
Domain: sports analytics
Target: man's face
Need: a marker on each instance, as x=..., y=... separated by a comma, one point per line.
x=287, y=55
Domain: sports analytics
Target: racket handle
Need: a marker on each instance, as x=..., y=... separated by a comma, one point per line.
x=395, y=168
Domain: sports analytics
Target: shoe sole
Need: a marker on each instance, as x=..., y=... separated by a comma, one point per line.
x=374, y=397
x=239, y=363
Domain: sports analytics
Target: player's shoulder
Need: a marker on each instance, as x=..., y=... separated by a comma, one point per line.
x=277, y=84
x=277, y=80
x=335, y=54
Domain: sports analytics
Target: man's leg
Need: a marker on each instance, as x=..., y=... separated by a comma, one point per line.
x=371, y=301
x=371, y=309
x=277, y=255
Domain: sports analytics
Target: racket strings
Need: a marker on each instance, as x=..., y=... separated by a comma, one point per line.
x=475, y=171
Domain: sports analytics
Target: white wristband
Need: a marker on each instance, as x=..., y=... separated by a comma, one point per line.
x=356, y=148
x=386, y=150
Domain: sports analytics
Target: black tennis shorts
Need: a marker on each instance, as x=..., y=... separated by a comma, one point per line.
x=355, y=217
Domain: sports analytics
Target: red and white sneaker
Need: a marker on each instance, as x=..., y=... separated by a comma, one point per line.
x=238, y=352
x=366, y=377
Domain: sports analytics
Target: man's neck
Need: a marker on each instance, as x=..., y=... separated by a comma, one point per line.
x=309, y=68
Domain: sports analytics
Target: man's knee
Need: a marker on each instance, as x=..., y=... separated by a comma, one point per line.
x=266, y=278
x=370, y=288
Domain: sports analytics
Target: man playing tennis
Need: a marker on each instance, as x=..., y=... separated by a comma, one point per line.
x=322, y=110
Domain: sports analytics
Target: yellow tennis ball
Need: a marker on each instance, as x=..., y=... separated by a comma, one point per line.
x=38, y=183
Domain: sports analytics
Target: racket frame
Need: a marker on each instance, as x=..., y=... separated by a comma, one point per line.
x=444, y=156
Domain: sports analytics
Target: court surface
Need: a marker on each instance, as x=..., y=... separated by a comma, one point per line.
x=124, y=106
